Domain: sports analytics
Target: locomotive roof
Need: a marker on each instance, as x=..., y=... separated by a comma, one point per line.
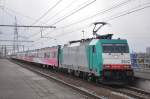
x=106, y=36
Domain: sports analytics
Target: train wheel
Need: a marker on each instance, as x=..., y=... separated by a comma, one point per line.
x=89, y=77
x=77, y=73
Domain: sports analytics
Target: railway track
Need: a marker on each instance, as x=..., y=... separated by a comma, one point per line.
x=97, y=91
x=133, y=92
x=138, y=90
x=140, y=93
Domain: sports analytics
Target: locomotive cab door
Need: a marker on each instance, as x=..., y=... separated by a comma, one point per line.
x=95, y=57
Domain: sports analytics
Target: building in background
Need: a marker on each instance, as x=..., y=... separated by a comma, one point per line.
x=141, y=61
x=148, y=50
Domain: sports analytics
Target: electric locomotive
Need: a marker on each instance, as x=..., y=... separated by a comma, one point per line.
x=102, y=59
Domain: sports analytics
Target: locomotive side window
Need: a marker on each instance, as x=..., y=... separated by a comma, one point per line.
x=93, y=49
x=115, y=48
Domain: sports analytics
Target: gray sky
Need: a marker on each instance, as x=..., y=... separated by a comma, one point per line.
x=134, y=27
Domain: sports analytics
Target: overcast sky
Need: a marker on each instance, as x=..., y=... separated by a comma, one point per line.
x=128, y=19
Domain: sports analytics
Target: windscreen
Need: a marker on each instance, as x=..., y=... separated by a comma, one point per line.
x=115, y=48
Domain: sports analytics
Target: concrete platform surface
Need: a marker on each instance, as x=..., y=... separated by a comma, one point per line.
x=19, y=83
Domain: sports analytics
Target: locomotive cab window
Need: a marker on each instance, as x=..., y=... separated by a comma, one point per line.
x=115, y=48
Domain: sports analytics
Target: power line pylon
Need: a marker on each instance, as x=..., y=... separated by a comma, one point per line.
x=15, y=42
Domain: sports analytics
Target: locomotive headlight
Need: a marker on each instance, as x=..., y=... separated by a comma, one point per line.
x=126, y=66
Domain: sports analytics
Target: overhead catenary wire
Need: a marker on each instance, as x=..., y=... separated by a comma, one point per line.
x=99, y=13
x=14, y=13
x=28, y=26
x=12, y=16
x=61, y=10
x=10, y=12
x=19, y=13
x=63, y=34
x=129, y=12
x=72, y=12
x=42, y=16
x=133, y=10
x=65, y=17
x=109, y=17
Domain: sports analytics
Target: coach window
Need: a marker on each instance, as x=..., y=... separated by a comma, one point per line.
x=26, y=55
x=44, y=55
x=54, y=54
x=47, y=54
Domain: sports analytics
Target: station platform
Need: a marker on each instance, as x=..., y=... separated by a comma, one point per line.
x=19, y=83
